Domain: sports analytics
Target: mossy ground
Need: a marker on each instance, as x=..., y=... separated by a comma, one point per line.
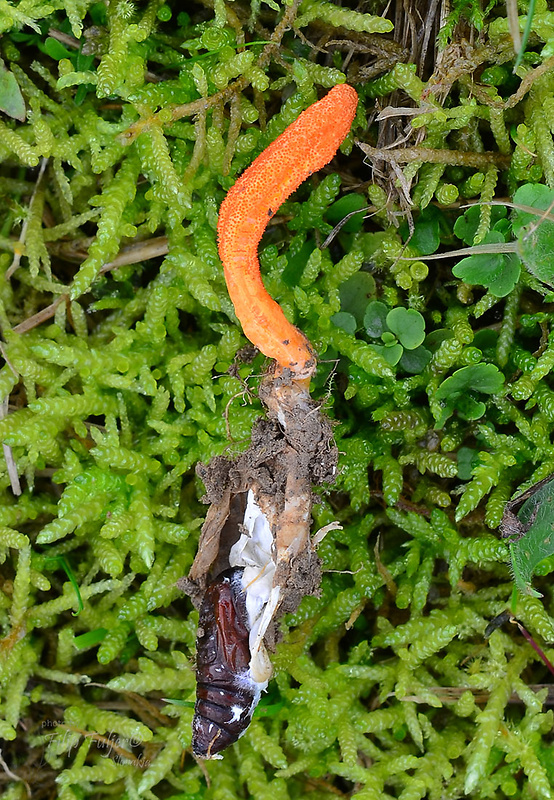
x=123, y=369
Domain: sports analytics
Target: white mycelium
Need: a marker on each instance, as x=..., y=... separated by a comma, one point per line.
x=254, y=551
x=237, y=711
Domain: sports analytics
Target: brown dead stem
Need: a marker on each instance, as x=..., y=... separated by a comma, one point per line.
x=406, y=155
x=76, y=251
x=528, y=82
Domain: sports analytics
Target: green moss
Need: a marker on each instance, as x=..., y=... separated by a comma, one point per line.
x=122, y=371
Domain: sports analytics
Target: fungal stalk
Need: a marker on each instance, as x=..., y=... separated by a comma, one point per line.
x=303, y=148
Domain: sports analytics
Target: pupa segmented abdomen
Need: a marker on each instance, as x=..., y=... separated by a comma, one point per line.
x=226, y=694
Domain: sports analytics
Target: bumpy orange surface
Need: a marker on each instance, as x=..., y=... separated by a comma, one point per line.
x=303, y=148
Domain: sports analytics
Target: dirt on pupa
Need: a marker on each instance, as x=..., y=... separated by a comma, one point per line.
x=290, y=451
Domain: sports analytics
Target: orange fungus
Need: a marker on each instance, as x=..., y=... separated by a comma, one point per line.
x=303, y=148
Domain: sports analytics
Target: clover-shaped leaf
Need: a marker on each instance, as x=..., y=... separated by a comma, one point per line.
x=485, y=378
x=497, y=271
x=468, y=408
x=466, y=227
x=457, y=391
x=402, y=331
x=408, y=325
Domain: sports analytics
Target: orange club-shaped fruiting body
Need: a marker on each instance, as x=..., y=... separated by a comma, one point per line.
x=303, y=148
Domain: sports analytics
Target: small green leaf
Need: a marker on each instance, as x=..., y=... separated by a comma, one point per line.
x=485, y=378
x=415, y=361
x=536, y=250
x=538, y=543
x=391, y=354
x=344, y=320
x=344, y=206
x=375, y=319
x=355, y=294
x=11, y=99
x=82, y=92
x=174, y=701
x=90, y=638
x=534, y=195
x=457, y=391
x=504, y=227
x=434, y=339
x=468, y=408
x=55, y=49
x=268, y=711
x=502, y=284
x=426, y=235
x=498, y=272
x=465, y=227
x=535, y=232
x=479, y=268
x=99, y=15
x=468, y=459
x=408, y=325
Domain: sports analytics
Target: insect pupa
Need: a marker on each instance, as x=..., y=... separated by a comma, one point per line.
x=233, y=667
x=226, y=693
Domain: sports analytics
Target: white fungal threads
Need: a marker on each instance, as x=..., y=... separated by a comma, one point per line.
x=254, y=552
x=236, y=711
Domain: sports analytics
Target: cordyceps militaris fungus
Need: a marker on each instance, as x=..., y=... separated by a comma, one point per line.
x=255, y=558
x=303, y=148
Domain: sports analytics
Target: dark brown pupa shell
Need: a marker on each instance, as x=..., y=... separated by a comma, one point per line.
x=226, y=694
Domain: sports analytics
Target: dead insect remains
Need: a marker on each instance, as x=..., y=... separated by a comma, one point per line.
x=226, y=692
